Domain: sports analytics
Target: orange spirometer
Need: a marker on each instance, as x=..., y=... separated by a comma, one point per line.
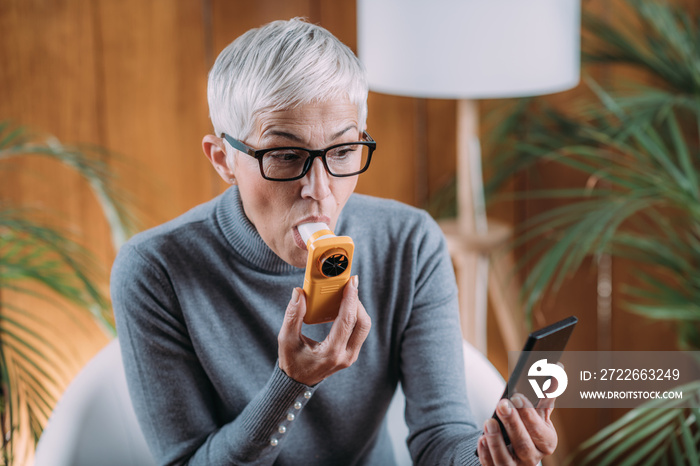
x=327, y=271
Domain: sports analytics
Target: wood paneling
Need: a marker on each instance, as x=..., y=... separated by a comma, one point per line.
x=154, y=68
x=231, y=19
x=390, y=121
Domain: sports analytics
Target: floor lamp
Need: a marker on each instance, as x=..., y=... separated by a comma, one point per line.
x=469, y=50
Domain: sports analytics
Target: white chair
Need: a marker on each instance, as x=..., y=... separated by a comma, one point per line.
x=484, y=388
x=94, y=422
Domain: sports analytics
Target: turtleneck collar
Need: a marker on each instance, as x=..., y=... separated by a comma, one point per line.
x=243, y=237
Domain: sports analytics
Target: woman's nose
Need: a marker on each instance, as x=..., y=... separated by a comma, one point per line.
x=316, y=181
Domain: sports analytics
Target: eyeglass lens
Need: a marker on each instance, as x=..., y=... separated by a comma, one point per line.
x=289, y=163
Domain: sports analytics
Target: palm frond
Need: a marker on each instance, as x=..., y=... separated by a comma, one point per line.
x=39, y=261
x=87, y=160
x=642, y=174
x=666, y=48
x=663, y=428
x=33, y=252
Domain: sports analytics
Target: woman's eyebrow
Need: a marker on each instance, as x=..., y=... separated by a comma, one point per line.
x=340, y=133
x=294, y=137
x=282, y=134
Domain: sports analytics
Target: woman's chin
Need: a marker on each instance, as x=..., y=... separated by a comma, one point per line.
x=297, y=258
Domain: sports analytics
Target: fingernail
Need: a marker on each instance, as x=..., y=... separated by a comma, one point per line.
x=355, y=281
x=295, y=296
x=491, y=427
x=517, y=401
x=504, y=407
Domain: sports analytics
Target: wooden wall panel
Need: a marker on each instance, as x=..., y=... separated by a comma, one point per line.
x=48, y=57
x=231, y=19
x=47, y=51
x=391, y=121
x=339, y=17
x=153, y=80
x=45, y=86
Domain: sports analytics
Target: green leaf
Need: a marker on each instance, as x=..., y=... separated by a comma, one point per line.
x=643, y=450
x=685, y=314
x=622, y=440
x=655, y=424
x=689, y=443
x=686, y=163
x=33, y=253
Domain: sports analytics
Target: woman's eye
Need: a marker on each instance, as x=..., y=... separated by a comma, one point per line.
x=284, y=156
x=343, y=151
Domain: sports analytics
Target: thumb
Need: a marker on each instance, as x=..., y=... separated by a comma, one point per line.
x=294, y=315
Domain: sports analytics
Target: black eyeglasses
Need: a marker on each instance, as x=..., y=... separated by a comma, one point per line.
x=293, y=163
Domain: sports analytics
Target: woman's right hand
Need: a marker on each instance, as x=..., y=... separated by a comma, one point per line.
x=308, y=361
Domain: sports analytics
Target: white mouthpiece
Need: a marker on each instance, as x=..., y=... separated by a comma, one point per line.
x=308, y=229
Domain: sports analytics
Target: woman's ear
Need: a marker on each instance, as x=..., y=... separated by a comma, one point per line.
x=215, y=150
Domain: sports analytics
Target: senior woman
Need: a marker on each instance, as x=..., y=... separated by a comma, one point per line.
x=219, y=366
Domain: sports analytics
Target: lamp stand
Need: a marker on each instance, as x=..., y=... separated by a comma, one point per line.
x=473, y=240
x=471, y=220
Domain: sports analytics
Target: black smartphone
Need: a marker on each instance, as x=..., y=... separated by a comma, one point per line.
x=552, y=339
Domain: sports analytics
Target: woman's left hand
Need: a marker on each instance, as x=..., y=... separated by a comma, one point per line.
x=530, y=429
x=308, y=361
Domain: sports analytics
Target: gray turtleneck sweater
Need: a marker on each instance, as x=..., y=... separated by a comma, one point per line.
x=199, y=302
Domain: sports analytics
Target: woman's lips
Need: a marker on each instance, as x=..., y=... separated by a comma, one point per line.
x=314, y=219
x=297, y=239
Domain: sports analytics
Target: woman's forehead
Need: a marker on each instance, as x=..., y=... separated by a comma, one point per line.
x=332, y=118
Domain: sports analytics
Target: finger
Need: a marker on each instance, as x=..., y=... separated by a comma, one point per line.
x=496, y=445
x=545, y=408
x=544, y=403
x=293, y=318
x=344, y=324
x=540, y=433
x=520, y=440
x=484, y=454
x=360, y=332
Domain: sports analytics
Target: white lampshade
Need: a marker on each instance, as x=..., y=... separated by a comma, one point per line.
x=470, y=49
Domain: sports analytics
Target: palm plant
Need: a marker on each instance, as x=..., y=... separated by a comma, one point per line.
x=641, y=203
x=639, y=150
x=638, y=147
x=40, y=264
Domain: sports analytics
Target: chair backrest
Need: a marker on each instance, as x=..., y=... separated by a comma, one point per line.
x=94, y=422
x=484, y=388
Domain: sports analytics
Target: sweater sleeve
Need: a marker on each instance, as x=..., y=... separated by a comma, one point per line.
x=442, y=430
x=171, y=393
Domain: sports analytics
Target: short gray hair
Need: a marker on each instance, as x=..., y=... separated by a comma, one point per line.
x=279, y=66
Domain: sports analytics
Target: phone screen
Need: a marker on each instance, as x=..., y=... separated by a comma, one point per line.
x=552, y=339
